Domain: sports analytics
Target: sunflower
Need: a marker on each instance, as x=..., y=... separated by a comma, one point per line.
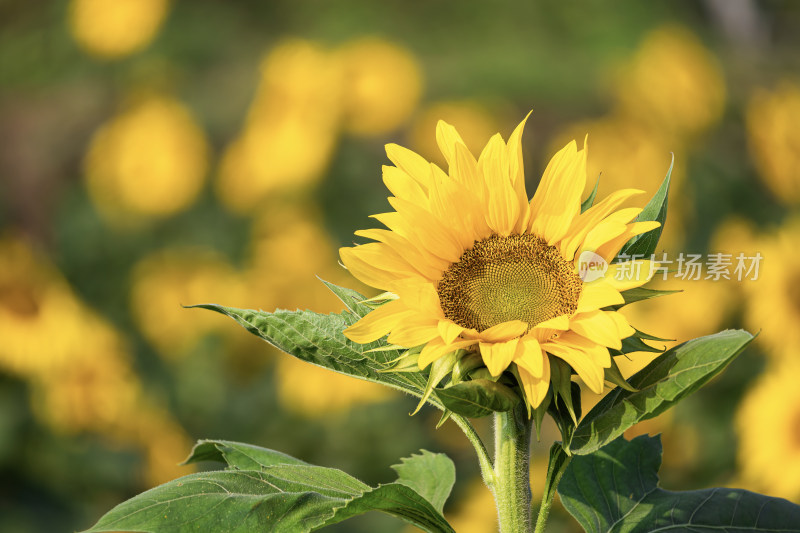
x=472, y=264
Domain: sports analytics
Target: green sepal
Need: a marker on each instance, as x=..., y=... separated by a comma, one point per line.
x=439, y=370
x=408, y=362
x=590, y=199
x=520, y=387
x=562, y=416
x=638, y=294
x=613, y=375
x=478, y=398
x=466, y=364
x=379, y=300
x=560, y=377
x=539, y=412
x=446, y=414
x=647, y=336
x=483, y=373
x=656, y=210
x=636, y=344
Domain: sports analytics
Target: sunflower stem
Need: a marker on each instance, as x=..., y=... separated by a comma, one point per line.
x=487, y=471
x=554, y=472
x=512, y=486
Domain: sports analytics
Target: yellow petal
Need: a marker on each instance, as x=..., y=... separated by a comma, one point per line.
x=449, y=330
x=609, y=250
x=530, y=356
x=503, y=208
x=409, y=336
x=372, y=276
x=430, y=266
x=557, y=200
x=438, y=348
x=378, y=322
x=504, y=331
x=560, y=322
x=410, y=162
x=404, y=186
x=447, y=138
x=624, y=329
x=596, y=295
x=590, y=372
x=597, y=327
x=535, y=387
x=439, y=236
x=498, y=355
x=629, y=274
x=516, y=170
x=589, y=219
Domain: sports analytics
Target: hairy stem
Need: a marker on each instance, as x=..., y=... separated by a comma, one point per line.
x=487, y=471
x=512, y=488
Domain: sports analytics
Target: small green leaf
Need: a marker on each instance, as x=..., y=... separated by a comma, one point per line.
x=661, y=384
x=477, y=398
x=614, y=375
x=656, y=209
x=431, y=475
x=590, y=199
x=616, y=489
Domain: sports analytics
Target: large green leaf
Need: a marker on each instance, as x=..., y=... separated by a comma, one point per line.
x=656, y=209
x=282, y=494
x=616, y=490
x=318, y=339
x=477, y=398
x=661, y=384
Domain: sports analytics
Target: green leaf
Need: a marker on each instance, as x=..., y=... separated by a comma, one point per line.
x=665, y=381
x=431, y=475
x=656, y=209
x=279, y=493
x=318, y=339
x=477, y=398
x=616, y=489
x=590, y=199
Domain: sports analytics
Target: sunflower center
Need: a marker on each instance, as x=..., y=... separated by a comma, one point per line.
x=518, y=277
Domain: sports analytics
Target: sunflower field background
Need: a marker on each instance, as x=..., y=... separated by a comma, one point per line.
x=155, y=153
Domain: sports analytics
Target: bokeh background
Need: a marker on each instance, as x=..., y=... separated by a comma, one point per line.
x=155, y=153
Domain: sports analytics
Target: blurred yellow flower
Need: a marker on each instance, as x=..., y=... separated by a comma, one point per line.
x=77, y=364
x=774, y=140
x=382, y=85
x=41, y=320
x=315, y=392
x=291, y=128
x=164, y=281
x=116, y=28
x=673, y=83
x=472, y=120
x=768, y=427
x=772, y=302
x=290, y=248
x=148, y=161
